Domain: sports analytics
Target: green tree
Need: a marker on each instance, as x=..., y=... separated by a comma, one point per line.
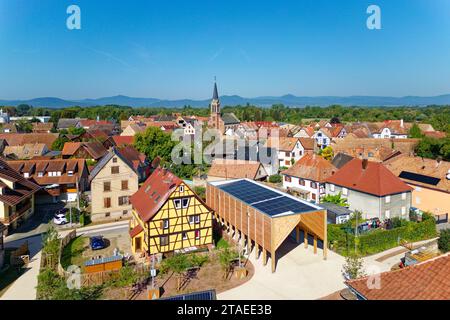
x=415, y=131
x=327, y=153
x=226, y=257
x=154, y=143
x=353, y=267
x=24, y=126
x=336, y=199
x=58, y=144
x=444, y=240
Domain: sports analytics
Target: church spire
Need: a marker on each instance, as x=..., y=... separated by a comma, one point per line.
x=215, y=93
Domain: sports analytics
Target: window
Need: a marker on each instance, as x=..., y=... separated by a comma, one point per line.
x=185, y=202
x=124, y=212
x=313, y=185
x=165, y=224
x=370, y=154
x=106, y=186
x=332, y=187
x=58, y=173
x=26, y=175
x=387, y=214
x=184, y=235
x=403, y=195
x=403, y=211
x=177, y=203
x=70, y=173
x=287, y=154
x=313, y=196
x=123, y=201
x=115, y=170
x=114, y=160
x=301, y=182
x=107, y=202
x=197, y=234
x=388, y=199
x=287, y=178
x=124, y=184
x=345, y=191
x=418, y=200
x=287, y=162
x=164, y=240
x=40, y=174
x=107, y=214
x=181, y=188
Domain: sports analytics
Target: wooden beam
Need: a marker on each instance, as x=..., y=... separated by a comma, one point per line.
x=256, y=250
x=315, y=244
x=272, y=258
x=264, y=252
x=305, y=240
x=325, y=236
x=297, y=234
x=249, y=244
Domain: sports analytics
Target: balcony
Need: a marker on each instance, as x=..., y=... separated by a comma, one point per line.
x=17, y=214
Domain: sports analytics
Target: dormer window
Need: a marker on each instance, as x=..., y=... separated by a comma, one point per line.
x=40, y=174
x=70, y=173
x=26, y=174
x=58, y=173
x=181, y=188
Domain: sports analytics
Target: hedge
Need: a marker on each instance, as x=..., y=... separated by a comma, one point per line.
x=379, y=240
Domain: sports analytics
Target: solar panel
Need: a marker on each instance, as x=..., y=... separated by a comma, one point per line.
x=267, y=201
x=419, y=178
x=202, y=295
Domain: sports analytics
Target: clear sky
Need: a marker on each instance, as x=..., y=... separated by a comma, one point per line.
x=173, y=48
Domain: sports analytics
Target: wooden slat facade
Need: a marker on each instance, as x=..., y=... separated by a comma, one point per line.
x=265, y=231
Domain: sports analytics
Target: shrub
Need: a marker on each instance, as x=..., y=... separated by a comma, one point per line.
x=444, y=240
x=276, y=178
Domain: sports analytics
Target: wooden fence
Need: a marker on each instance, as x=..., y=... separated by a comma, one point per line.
x=64, y=242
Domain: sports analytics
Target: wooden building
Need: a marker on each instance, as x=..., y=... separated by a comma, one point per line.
x=265, y=216
x=168, y=216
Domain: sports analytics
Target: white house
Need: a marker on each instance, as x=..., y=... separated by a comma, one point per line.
x=290, y=149
x=307, y=176
x=323, y=138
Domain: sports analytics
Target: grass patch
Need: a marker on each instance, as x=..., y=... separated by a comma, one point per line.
x=222, y=243
x=73, y=253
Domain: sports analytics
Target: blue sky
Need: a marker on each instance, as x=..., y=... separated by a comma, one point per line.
x=173, y=48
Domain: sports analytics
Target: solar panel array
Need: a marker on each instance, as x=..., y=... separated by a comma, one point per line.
x=265, y=200
x=202, y=295
x=419, y=178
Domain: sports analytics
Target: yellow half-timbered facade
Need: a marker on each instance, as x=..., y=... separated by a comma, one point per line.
x=168, y=216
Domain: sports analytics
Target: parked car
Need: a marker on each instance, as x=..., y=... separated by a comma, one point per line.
x=59, y=219
x=97, y=243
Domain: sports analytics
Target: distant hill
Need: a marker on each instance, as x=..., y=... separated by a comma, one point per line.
x=265, y=101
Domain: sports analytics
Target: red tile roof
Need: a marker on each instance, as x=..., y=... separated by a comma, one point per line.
x=311, y=167
x=18, y=139
x=375, y=179
x=429, y=280
x=136, y=230
x=94, y=148
x=154, y=193
x=123, y=140
x=132, y=155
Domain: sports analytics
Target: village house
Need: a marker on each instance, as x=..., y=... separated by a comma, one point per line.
x=61, y=180
x=224, y=169
x=430, y=181
x=306, y=178
x=372, y=189
x=323, y=137
x=17, y=196
x=19, y=139
x=113, y=180
x=304, y=132
x=8, y=128
x=132, y=129
x=67, y=123
x=84, y=150
x=41, y=127
x=26, y=151
x=290, y=149
x=391, y=129
x=168, y=216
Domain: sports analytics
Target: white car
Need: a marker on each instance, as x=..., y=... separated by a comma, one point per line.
x=59, y=219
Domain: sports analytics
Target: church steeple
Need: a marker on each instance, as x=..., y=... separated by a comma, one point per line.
x=215, y=103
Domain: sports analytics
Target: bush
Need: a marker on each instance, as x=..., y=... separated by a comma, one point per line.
x=379, y=240
x=444, y=240
x=276, y=178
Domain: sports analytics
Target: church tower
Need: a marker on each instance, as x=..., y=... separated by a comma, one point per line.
x=215, y=120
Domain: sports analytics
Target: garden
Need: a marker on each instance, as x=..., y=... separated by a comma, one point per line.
x=342, y=238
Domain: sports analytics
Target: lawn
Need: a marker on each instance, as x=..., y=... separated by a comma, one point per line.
x=73, y=253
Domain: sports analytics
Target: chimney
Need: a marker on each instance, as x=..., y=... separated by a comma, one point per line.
x=365, y=162
x=401, y=123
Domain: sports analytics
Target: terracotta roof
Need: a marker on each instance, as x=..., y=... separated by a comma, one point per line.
x=375, y=179
x=8, y=128
x=123, y=140
x=155, y=191
x=233, y=169
x=307, y=143
x=89, y=123
x=45, y=166
x=429, y=280
x=282, y=143
x=136, y=230
x=42, y=126
x=422, y=166
x=94, y=148
x=17, y=139
x=97, y=134
x=135, y=157
x=22, y=187
x=26, y=151
x=311, y=167
x=435, y=134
